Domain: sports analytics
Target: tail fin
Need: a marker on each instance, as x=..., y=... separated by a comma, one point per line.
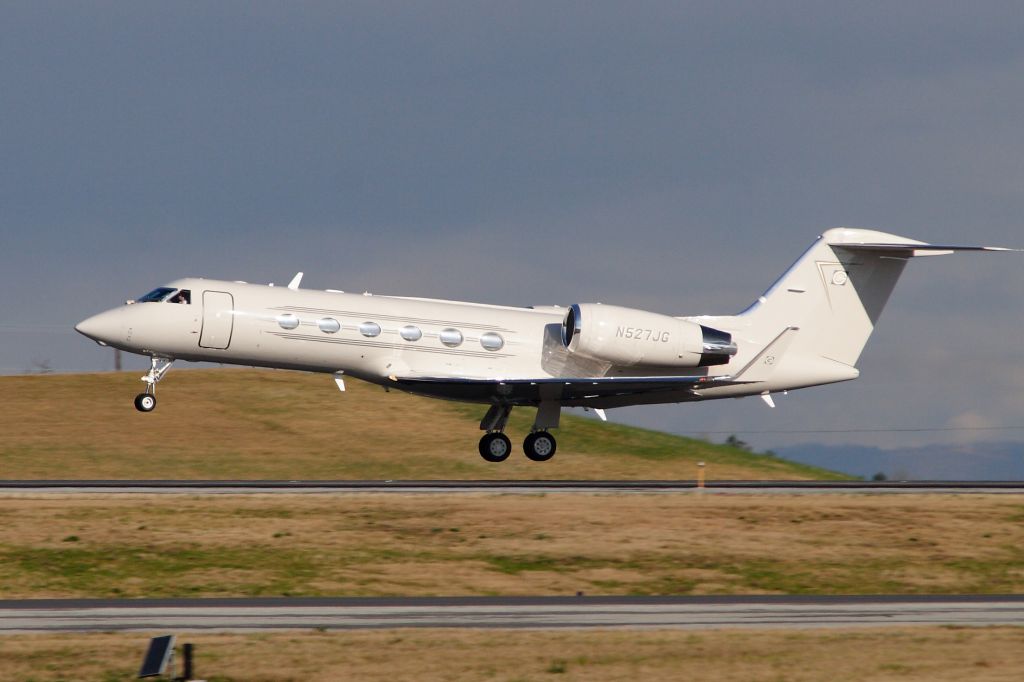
x=831, y=299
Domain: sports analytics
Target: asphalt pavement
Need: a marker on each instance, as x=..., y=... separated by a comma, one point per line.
x=696, y=613
x=192, y=487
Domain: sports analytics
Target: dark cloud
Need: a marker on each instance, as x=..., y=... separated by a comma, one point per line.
x=669, y=156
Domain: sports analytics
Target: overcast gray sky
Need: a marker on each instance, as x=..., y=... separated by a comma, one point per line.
x=669, y=156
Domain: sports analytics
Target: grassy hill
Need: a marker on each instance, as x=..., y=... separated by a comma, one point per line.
x=234, y=423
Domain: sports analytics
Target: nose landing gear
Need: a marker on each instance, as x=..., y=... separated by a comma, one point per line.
x=146, y=402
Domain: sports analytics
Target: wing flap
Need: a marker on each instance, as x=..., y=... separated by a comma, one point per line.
x=565, y=390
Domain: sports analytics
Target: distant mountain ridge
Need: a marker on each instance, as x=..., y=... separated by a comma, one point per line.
x=993, y=461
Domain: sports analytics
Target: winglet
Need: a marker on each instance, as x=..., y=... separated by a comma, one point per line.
x=294, y=284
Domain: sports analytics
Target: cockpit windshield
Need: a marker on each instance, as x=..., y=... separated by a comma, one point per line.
x=161, y=294
x=157, y=295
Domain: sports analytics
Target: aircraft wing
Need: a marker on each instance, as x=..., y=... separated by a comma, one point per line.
x=564, y=390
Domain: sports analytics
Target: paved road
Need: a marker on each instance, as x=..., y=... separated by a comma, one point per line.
x=524, y=487
x=470, y=612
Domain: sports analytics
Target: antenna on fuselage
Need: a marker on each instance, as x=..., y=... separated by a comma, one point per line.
x=294, y=284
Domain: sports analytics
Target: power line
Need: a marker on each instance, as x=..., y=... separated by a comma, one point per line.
x=934, y=429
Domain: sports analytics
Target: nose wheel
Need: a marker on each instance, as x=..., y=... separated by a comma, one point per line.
x=539, y=446
x=145, y=402
x=495, y=447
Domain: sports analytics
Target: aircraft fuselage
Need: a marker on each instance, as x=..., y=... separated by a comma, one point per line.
x=808, y=329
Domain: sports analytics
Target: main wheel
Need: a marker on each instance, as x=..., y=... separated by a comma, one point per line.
x=495, y=447
x=539, y=446
x=145, y=402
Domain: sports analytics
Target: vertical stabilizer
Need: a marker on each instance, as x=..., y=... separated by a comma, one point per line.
x=833, y=294
x=817, y=317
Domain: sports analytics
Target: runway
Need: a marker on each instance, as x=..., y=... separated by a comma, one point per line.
x=696, y=613
x=191, y=487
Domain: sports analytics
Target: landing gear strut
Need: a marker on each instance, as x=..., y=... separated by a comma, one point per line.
x=146, y=402
x=495, y=445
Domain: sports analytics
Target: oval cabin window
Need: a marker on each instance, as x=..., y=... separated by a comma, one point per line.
x=411, y=333
x=329, y=325
x=288, y=321
x=370, y=329
x=492, y=341
x=450, y=337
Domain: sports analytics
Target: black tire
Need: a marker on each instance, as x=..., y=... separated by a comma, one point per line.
x=540, y=446
x=144, y=402
x=495, y=447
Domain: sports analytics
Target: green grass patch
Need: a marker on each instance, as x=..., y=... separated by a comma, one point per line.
x=252, y=424
x=348, y=545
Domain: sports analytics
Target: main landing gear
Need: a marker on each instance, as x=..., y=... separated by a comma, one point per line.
x=495, y=447
x=146, y=402
x=539, y=446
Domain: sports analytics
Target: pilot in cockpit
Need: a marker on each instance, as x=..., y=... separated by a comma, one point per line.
x=182, y=296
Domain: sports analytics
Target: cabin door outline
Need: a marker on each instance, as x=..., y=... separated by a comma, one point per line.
x=218, y=320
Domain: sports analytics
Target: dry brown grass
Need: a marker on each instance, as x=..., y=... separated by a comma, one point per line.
x=445, y=544
x=932, y=654
x=235, y=423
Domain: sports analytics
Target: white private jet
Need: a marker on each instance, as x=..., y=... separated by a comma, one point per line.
x=808, y=329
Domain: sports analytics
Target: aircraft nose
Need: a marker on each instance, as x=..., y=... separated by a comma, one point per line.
x=103, y=328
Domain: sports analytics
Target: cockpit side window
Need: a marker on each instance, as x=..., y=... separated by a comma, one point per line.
x=183, y=296
x=157, y=295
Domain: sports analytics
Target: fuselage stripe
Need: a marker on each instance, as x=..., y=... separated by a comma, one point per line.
x=391, y=346
x=394, y=318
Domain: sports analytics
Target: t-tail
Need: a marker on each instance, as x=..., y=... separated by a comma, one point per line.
x=811, y=326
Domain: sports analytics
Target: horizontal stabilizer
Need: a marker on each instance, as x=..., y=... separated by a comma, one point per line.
x=911, y=250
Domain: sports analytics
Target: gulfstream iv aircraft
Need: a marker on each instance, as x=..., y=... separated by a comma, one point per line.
x=808, y=329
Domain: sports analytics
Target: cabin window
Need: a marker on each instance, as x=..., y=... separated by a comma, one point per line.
x=450, y=337
x=492, y=341
x=329, y=325
x=411, y=333
x=157, y=295
x=288, y=321
x=184, y=296
x=369, y=329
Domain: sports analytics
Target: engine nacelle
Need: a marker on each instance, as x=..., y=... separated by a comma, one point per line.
x=630, y=338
